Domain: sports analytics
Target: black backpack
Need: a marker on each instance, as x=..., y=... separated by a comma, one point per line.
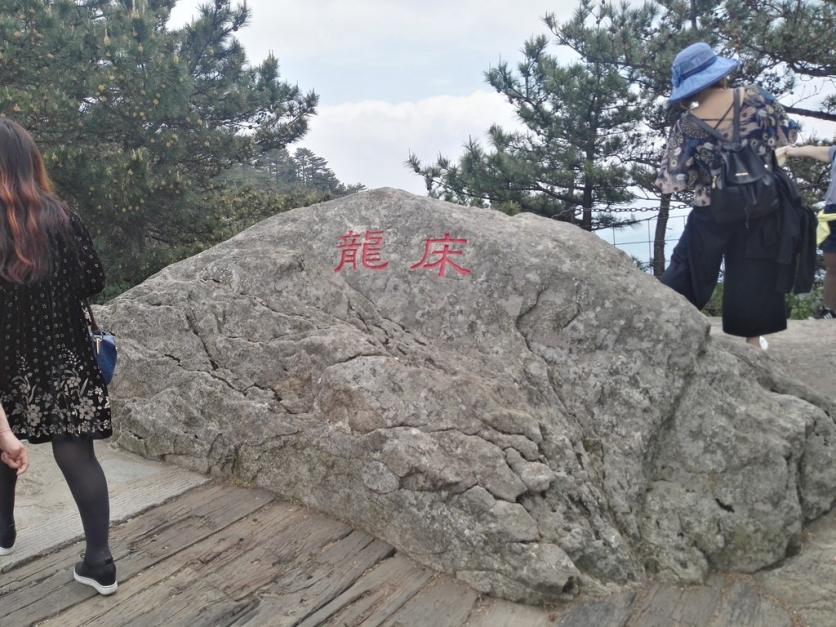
x=742, y=185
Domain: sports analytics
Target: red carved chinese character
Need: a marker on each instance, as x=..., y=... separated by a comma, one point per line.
x=444, y=252
x=349, y=244
x=371, y=251
x=348, y=250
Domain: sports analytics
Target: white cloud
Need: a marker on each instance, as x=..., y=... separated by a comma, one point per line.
x=320, y=28
x=368, y=142
x=378, y=49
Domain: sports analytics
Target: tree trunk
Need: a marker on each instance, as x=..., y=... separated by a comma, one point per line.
x=586, y=221
x=659, y=237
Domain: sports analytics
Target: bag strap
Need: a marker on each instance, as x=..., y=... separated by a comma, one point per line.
x=736, y=118
x=93, y=324
x=723, y=117
x=735, y=105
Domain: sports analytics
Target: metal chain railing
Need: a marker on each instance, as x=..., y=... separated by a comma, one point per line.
x=634, y=209
x=676, y=224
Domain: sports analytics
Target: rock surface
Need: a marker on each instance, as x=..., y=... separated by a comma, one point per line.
x=552, y=421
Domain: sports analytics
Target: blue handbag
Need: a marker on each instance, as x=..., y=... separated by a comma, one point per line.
x=104, y=347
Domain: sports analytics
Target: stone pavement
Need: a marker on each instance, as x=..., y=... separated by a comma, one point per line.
x=807, y=349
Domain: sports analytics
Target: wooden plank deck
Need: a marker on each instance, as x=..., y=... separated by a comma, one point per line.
x=224, y=555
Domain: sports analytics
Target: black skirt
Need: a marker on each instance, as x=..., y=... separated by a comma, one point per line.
x=753, y=304
x=50, y=383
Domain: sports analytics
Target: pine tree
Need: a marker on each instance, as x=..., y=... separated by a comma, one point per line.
x=639, y=42
x=784, y=37
x=563, y=163
x=136, y=121
x=303, y=175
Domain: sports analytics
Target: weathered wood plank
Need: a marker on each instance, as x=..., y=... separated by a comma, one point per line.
x=666, y=605
x=221, y=565
x=308, y=558
x=290, y=548
x=612, y=611
x=743, y=604
x=499, y=613
x=722, y=602
x=444, y=602
x=303, y=587
x=725, y=601
x=375, y=596
x=209, y=503
x=41, y=589
x=219, y=555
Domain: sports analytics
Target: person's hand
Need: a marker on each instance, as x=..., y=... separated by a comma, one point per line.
x=13, y=454
x=781, y=154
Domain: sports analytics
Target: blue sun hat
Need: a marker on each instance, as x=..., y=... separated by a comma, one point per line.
x=695, y=68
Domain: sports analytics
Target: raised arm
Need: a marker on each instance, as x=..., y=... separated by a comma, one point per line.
x=820, y=153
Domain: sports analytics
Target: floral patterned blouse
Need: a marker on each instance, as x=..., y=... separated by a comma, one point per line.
x=692, y=153
x=50, y=383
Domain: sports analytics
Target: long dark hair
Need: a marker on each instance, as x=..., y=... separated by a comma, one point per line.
x=29, y=210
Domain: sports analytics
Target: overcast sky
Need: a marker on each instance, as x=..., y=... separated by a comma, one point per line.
x=392, y=76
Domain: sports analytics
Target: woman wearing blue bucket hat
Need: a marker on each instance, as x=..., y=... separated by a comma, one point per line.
x=714, y=117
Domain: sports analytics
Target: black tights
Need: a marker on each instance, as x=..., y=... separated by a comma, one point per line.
x=77, y=460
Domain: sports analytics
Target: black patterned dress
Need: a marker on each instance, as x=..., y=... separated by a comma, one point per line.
x=50, y=384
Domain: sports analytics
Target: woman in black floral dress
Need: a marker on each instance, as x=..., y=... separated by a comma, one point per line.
x=51, y=388
x=753, y=300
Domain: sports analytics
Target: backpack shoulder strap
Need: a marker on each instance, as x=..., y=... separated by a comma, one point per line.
x=735, y=105
x=736, y=118
x=723, y=117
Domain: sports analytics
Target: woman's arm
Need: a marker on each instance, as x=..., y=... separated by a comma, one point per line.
x=821, y=153
x=13, y=454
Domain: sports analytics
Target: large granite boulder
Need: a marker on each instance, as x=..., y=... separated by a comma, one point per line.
x=529, y=413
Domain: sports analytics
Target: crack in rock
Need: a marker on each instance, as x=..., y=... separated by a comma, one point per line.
x=554, y=420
